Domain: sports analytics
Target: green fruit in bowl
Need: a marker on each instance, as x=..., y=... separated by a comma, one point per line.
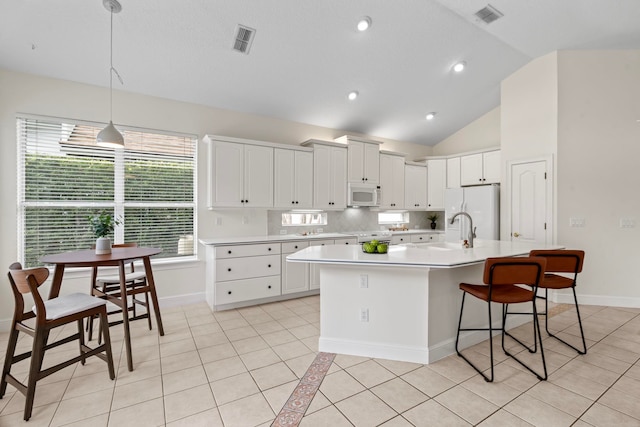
x=369, y=248
x=374, y=242
x=382, y=248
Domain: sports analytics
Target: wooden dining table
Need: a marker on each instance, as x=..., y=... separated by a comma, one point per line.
x=118, y=257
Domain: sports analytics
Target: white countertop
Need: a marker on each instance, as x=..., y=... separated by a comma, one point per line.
x=221, y=241
x=435, y=255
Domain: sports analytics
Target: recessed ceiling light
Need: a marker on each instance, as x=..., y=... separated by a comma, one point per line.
x=353, y=95
x=430, y=116
x=459, y=67
x=364, y=23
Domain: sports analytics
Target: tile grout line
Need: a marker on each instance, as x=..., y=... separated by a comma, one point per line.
x=294, y=409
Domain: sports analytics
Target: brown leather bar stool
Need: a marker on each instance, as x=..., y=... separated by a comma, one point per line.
x=48, y=315
x=502, y=277
x=561, y=261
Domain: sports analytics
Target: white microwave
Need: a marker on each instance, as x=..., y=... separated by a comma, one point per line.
x=363, y=194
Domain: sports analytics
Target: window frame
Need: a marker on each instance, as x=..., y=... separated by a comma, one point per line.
x=118, y=204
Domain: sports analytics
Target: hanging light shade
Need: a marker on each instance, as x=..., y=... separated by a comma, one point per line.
x=110, y=136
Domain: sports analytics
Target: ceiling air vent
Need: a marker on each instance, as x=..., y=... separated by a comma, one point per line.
x=244, y=38
x=489, y=14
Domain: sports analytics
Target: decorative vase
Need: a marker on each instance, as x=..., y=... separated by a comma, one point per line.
x=433, y=225
x=103, y=246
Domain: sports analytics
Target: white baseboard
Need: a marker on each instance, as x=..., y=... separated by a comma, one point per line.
x=605, y=300
x=378, y=350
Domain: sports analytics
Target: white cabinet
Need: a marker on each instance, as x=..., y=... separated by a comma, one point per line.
x=453, y=172
x=293, y=178
x=329, y=177
x=364, y=162
x=295, y=275
x=392, y=181
x=425, y=238
x=436, y=181
x=397, y=239
x=244, y=273
x=240, y=175
x=314, y=270
x=415, y=187
x=480, y=168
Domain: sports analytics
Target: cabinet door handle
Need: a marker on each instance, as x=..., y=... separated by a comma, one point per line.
x=229, y=252
x=269, y=249
x=228, y=269
x=346, y=243
x=229, y=292
x=295, y=247
x=269, y=287
x=420, y=238
x=269, y=265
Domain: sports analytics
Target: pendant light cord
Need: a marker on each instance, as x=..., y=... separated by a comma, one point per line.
x=111, y=70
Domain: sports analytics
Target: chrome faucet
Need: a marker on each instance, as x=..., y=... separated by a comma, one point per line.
x=472, y=229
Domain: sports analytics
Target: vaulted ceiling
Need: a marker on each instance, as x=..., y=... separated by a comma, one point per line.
x=307, y=55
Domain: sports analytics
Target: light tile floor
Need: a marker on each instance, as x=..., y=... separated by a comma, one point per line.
x=239, y=367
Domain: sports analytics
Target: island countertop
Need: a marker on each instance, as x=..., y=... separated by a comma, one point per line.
x=428, y=255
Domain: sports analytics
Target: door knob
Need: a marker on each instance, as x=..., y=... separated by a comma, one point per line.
x=516, y=234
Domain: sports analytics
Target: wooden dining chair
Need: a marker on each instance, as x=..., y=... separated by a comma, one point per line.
x=501, y=279
x=48, y=315
x=568, y=261
x=136, y=283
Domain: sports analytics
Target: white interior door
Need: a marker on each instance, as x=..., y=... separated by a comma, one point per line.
x=530, y=221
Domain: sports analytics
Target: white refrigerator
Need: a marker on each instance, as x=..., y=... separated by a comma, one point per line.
x=482, y=203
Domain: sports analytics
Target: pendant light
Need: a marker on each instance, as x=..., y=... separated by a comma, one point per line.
x=110, y=136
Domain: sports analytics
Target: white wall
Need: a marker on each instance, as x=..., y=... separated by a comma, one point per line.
x=22, y=93
x=597, y=173
x=483, y=132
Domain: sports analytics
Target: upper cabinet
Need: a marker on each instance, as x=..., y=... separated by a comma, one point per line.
x=391, y=181
x=415, y=187
x=240, y=174
x=329, y=174
x=436, y=182
x=480, y=168
x=453, y=172
x=363, y=159
x=293, y=178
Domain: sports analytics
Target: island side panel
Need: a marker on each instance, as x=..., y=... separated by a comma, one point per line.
x=397, y=302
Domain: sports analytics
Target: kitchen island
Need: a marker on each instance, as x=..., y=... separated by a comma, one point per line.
x=403, y=305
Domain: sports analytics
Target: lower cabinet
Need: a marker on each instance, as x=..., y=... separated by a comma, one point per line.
x=397, y=239
x=314, y=269
x=243, y=275
x=295, y=275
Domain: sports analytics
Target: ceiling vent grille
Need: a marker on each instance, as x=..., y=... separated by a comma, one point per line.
x=244, y=38
x=489, y=14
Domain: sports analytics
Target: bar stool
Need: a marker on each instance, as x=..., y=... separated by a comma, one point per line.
x=48, y=315
x=501, y=277
x=136, y=283
x=561, y=261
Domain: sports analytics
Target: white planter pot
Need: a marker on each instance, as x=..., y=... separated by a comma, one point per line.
x=103, y=246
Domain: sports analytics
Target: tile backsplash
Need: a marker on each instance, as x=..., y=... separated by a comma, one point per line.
x=350, y=219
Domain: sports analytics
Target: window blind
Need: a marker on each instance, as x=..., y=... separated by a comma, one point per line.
x=65, y=177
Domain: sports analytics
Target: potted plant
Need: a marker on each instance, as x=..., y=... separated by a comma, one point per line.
x=433, y=218
x=102, y=225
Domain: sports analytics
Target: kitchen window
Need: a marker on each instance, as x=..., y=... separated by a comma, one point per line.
x=393, y=218
x=64, y=177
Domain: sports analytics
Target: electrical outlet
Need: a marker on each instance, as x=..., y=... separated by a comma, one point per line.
x=245, y=220
x=283, y=231
x=319, y=230
x=364, y=314
x=218, y=221
x=364, y=281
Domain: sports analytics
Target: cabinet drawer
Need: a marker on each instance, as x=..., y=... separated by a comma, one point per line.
x=347, y=241
x=396, y=240
x=321, y=242
x=247, y=289
x=247, y=250
x=424, y=238
x=291, y=247
x=245, y=268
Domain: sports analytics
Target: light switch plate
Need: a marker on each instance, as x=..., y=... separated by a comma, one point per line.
x=576, y=222
x=627, y=222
